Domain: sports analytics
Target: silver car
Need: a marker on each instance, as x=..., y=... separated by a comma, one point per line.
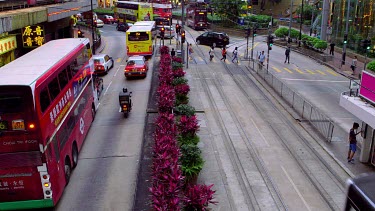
x=102, y=63
x=169, y=31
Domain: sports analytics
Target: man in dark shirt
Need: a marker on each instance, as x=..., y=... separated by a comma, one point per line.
x=173, y=53
x=353, y=142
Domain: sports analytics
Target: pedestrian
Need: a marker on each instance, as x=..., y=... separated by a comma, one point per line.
x=224, y=54
x=332, y=50
x=173, y=53
x=354, y=64
x=235, y=53
x=190, y=49
x=262, y=57
x=211, y=53
x=287, y=54
x=353, y=142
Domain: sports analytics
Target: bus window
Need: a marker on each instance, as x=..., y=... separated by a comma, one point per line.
x=138, y=36
x=54, y=88
x=63, y=78
x=44, y=99
x=10, y=104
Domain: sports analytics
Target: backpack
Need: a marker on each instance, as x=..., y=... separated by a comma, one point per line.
x=235, y=52
x=224, y=52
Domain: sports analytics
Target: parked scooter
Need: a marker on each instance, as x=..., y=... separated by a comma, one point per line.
x=125, y=102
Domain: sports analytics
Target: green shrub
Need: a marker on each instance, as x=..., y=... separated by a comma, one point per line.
x=179, y=80
x=282, y=32
x=191, y=160
x=321, y=45
x=184, y=109
x=176, y=65
x=371, y=66
x=307, y=22
x=181, y=99
x=188, y=139
x=294, y=33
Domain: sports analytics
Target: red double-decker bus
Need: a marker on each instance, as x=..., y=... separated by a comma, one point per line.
x=196, y=15
x=162, y=10
x=47, y=104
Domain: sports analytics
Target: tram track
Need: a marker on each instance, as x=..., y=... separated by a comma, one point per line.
x=313, y=177
x=307, y=167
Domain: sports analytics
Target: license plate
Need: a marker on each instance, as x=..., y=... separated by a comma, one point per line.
x=18, y=124
x=3, y=125
x=134, y=70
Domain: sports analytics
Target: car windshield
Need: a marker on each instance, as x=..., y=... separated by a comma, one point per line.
x=135, y=62
x=98, y=61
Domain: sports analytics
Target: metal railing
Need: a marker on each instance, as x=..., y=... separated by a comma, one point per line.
x=322, y=123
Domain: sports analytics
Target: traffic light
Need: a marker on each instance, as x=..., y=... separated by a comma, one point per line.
x=270, y=42
x=162, y=31
x=183, y=37
x=368, y=44
x=345, y=39
x=248, y=32
x=254, y=32
x=80, y=33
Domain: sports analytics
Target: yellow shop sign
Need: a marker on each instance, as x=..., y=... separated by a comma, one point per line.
x=8, y=44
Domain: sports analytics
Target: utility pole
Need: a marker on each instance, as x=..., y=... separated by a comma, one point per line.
x=182, y=28
x=290, y=20
x=345, y=35
x=269, y=42
x=300, y=26
x=325, y=15
x=247, y=41
x=92, y=30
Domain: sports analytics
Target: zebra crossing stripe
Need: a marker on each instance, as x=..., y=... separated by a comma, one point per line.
x=277, y=70
x=298, y=70
x=310, y=71
x=332, y=72
x=321, y=72
x=288, y=70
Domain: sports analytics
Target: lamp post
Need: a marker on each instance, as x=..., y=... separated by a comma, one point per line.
x=345, y=35
x=300, y=26
x=290, y=19
x=182, y=27
x=92, y=30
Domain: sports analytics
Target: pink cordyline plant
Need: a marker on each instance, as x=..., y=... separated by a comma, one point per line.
x=166, y=59
x=179, y=73
x=166, y=98
x=164, y=50
x=188, y=125
x=198, y=197
x=166, y=77
x=177, y=59
x=182, y=89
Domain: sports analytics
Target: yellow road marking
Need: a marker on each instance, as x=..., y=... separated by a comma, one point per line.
x=310, y=71
x=288, y=70
x=298, y=70
x=332, y=72
x=321, y=72
x=277, y=70
x=118, y=60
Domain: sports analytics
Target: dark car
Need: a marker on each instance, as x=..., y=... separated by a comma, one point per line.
x=213, y=39
x=122, y=27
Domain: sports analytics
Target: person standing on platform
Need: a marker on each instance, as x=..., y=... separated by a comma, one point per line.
x=353, y=142
x=332, y=49
x=173, y=53
x=287, y=55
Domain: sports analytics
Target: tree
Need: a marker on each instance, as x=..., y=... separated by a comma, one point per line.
x=229, y=9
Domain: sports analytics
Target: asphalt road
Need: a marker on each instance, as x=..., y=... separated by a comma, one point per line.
x=105, y=178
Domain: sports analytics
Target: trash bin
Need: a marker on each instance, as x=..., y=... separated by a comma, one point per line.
x=178, y=53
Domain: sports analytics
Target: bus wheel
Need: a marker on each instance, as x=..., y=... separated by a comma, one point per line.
x=75, y=155
x=67, y=170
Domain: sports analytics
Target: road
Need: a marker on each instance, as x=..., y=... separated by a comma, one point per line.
x=105, y=178
x=256, y=154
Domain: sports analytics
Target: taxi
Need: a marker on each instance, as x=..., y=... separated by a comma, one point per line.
x=136, y=66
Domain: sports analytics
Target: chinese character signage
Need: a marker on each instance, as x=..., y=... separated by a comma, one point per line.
x=32, y=36
x=8, y=44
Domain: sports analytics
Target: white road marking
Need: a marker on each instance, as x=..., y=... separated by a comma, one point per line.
x=299, y=79
x=97, y=107
x=295, y=188
x=116, y=71
x=107, y=88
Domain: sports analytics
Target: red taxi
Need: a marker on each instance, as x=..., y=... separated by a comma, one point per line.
x=136, y=66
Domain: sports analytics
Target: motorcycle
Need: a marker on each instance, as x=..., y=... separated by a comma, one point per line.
x=125, y=102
